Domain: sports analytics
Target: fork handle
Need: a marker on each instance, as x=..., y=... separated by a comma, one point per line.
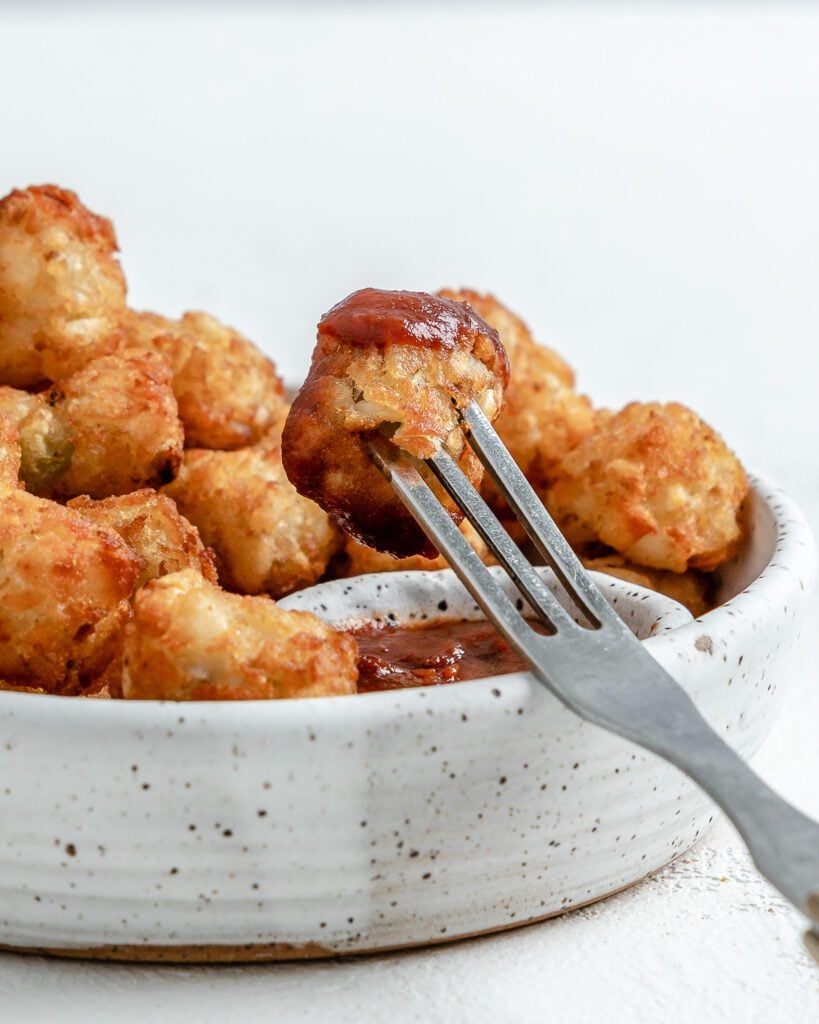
x=655, y=712
x=783, y=842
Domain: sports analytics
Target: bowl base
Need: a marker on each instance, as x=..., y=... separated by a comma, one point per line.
x=259, y=952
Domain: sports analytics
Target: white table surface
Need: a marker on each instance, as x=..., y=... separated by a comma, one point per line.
x=641, y=183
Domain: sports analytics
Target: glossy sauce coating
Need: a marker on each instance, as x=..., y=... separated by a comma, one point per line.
x=397, y=657
x=372, y=317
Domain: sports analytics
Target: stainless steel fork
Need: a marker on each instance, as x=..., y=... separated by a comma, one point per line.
x=601, y=671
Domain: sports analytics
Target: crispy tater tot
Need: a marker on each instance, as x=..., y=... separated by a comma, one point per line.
x=64, y=584
x=153, y=528
x=515, y=336
x=97, y=661
x=229, y=393
x=543, y=417
x=106, y=429
x=61, y=286
x=655, y=483
x=404, y=362
x=271, y=439
x=690, y=588
x=10, y=454
x=266, y=537
x=121, y=417
x=358, y=559
x=45, y=440
x=189, y=640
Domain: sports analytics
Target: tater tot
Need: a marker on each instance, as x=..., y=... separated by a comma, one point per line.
x=106, y=429
x=271, y=439
x=358, y=559
x=404, y=362
x=64, y=584
x=655, y=483
x=690, y=588
x=543, y=417
x=189, y=640
x=153, y=528
x=229, y=393
x=45, y=440
x=10, y=454
x=121, y=417
x=61, y=287
x=266, y=537
x=515, y=336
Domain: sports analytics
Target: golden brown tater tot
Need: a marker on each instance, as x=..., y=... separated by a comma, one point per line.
x=189, y=640
x=61, y=287
x=266, y=537
x=655, y=483
x=153, y=528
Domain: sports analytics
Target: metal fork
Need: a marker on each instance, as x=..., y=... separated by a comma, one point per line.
x=602, y=672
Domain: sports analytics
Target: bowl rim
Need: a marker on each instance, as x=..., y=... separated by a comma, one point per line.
x=794, y=549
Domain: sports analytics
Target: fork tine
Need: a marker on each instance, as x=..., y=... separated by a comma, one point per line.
x=435, y=521
x=539, y=525
x=541, y=599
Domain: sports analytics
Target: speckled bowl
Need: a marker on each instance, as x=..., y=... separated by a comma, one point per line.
x=341, y=825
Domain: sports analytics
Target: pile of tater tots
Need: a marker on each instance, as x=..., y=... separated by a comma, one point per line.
x=147, y=523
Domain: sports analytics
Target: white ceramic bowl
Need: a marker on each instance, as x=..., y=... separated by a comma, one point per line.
x=347, y=824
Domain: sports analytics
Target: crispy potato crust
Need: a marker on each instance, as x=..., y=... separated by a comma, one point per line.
x=152, y=527
x=10, y=454
x=100, y=657
x=61, y=286
x=45, y=441
x=690, y=588
x=514, y=334
x=121, y=417
x=402, y=361
x=106, y=429
x=229, y=393
x=655, y=483
x=271, y=439
x=358, y=559
x=64, y=584
x=543, y=417
x=267, y=538
x=189, y=640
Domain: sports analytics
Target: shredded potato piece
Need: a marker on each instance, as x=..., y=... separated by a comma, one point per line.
x=658, y=485
x=189, y=640
x=61, y=287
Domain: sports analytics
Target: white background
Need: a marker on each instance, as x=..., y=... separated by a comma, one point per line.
x=640, y=182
